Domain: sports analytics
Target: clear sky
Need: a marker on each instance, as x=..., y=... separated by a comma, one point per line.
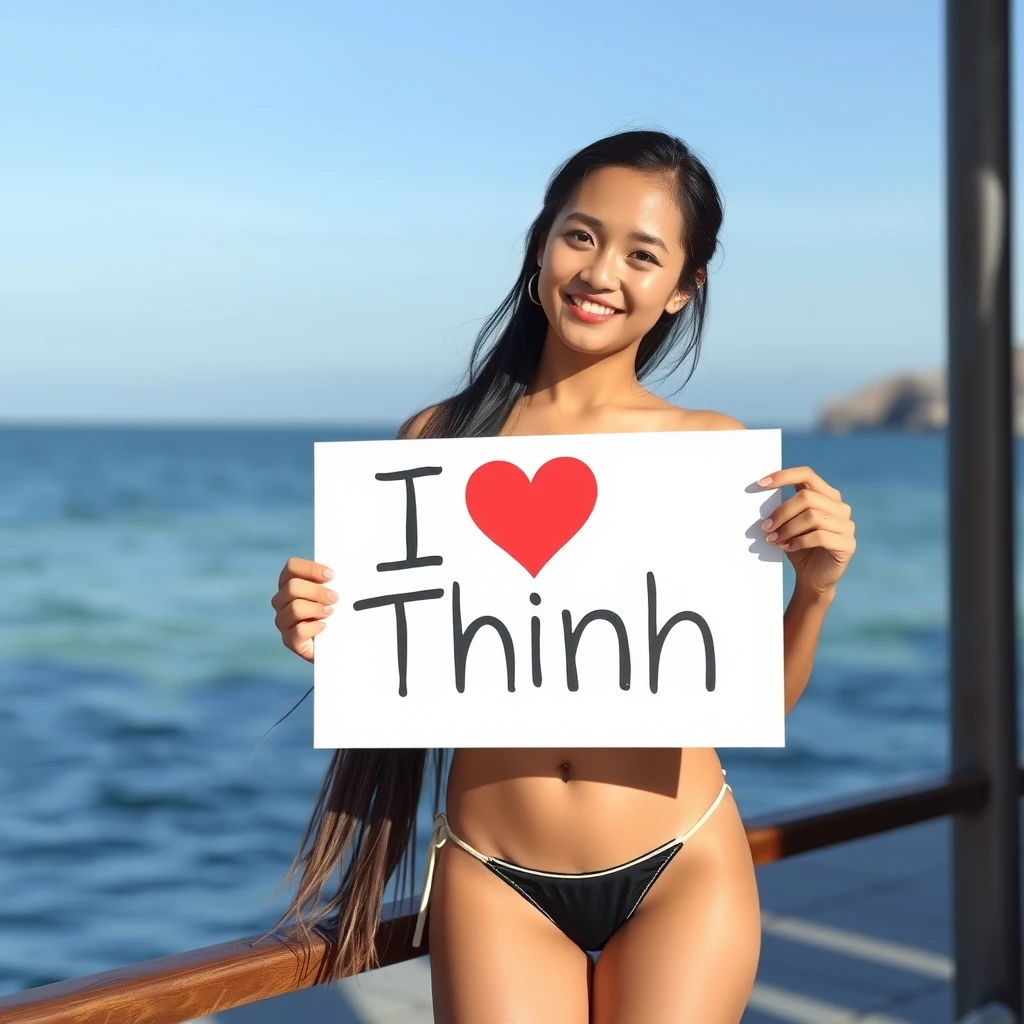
x=292, y=211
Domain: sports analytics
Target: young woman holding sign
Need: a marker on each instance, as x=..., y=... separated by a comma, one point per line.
x=551, y=853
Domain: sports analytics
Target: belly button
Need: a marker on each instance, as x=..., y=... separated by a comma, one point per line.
x=565, y=770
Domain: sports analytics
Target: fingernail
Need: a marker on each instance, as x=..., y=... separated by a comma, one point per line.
x=772, y=538
x=328, y=574
x=332, y=596
x=765, y=480
x=305, y=645
x=328, y=609
x=766, y=525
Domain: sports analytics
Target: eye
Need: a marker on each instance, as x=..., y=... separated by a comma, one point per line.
x=582, y=237
x=651, y=258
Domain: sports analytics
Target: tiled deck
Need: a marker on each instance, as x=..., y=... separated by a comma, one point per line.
x=860, y=932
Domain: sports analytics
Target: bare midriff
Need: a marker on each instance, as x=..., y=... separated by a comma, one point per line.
x=582, y=809
x=577, y=810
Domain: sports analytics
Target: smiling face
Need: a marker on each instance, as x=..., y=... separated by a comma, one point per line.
x=612, y=261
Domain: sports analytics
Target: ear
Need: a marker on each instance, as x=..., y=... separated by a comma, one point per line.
x=676, y=303
x=542, y=245
x=680, y=298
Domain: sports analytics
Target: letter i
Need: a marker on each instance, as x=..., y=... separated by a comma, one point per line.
x=535, y=640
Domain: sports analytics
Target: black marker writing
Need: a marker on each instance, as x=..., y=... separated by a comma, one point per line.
x=535, y=641
x=401, y=625
x=656, y=637
x=411, y=560
x=572, y=642
x=461, y=640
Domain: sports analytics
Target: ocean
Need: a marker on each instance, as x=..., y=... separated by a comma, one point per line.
x=140, y=667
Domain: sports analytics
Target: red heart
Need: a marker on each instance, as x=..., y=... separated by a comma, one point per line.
x=531, y=520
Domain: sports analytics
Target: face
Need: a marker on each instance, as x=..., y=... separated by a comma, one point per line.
x=612, y=261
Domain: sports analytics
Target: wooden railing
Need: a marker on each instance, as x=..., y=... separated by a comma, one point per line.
x=177, y=988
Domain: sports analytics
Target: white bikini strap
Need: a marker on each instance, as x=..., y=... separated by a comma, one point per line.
x=441, y=834
x=707, y=814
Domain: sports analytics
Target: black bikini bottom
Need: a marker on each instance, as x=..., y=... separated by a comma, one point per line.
x=587, y=907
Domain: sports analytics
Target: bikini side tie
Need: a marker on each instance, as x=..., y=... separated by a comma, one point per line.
x=441, y=834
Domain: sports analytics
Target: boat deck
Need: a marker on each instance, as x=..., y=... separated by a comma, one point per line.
x=858, y=932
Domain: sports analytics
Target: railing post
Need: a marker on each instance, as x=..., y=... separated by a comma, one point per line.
x=983, y=708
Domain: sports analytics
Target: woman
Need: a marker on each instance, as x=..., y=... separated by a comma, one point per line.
x=613, y=280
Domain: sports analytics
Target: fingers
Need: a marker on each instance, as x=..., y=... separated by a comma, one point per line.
x=300, y=638
x=835, y=542
x=815, y=517
x=301, y=611
x=297, y=589
x=810, y=509
x=304, y=569
x=303, y=604
x=812, y=520
x=800, y=477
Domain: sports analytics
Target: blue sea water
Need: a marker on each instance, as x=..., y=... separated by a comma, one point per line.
x=139, y=668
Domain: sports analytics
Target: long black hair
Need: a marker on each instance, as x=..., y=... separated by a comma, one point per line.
x=507, y=350
x=364, y=820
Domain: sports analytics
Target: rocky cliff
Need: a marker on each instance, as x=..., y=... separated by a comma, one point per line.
x=911, y=401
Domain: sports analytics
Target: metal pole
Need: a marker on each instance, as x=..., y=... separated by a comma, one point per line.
x=983, y=711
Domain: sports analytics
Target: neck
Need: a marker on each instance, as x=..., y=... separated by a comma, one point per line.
x=576, y=383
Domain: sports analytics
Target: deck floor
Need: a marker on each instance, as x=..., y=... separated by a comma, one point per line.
x=859, y=932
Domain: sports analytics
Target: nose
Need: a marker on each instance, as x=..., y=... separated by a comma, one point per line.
x=600, y=272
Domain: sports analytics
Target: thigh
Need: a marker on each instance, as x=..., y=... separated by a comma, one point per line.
x=690, y=951
x=495, y=958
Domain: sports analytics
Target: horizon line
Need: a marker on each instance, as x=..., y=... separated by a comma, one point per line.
x=361, y=425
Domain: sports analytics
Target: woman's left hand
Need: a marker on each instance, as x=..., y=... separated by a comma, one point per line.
x=813, y=527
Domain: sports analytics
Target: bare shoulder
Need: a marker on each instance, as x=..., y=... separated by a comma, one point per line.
x=704, y=419
x=413, y=426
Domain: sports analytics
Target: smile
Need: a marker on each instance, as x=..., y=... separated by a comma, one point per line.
x=593, y=309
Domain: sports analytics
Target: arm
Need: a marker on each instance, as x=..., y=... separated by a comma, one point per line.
x=801, y=627
x=816, y=531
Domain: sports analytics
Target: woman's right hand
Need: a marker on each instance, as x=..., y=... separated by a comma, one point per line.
x=302, y=603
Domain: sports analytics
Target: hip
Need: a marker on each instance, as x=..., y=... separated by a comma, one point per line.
x=578, y=810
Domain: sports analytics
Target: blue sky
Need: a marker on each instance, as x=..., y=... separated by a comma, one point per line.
x=283, y=212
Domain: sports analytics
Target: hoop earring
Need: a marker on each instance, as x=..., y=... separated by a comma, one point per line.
x=529, y=292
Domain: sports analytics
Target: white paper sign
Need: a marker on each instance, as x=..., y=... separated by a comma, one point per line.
x=581, y=590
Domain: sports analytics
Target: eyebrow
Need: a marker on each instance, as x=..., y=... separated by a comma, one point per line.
x=597, y=225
